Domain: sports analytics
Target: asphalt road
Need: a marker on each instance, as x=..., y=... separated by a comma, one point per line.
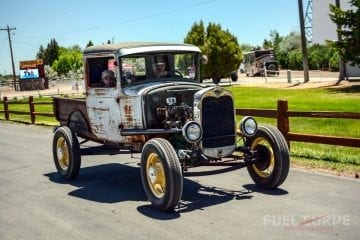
x=107, y=200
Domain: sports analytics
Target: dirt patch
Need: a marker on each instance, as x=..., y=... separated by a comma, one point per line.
x=55, y=88
x=347, y=174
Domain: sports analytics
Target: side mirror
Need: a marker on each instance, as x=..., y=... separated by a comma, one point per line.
x=204, y=59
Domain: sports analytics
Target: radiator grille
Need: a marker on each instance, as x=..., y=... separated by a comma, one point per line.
x=218, y=122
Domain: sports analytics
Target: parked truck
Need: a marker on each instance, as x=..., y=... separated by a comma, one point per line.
x=175, y=122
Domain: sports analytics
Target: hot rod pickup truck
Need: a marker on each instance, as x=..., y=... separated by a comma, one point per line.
x=158, y=107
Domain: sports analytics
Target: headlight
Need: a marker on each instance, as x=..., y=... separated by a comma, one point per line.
x=248, y=126
x=192, y=132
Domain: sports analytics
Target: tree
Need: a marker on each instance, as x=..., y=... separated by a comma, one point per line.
x=89, y=44
x=70, y=60
x=41, y=52
x=246, y=47
x=267, y=44
x=51, y=52
x=276, y=39
x=196, y=35
x=348, y=23
x=320, y=57
x=334, y=61
x=221, y=47
x=288, y=44
x=295, y=59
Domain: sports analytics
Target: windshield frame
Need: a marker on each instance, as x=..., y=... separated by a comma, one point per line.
x=126, y=68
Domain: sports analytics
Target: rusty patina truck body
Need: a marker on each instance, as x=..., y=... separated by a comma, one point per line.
x=173, y=120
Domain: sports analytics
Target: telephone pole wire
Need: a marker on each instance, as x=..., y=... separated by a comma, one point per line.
x=8, y=29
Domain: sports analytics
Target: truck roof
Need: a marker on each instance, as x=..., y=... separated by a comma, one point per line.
x=126, y=48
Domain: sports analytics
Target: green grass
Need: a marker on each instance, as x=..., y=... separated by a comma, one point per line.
x=25, y=108
x=343, y=159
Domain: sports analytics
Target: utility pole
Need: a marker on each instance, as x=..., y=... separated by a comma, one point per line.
x=303, y=42
x=342, y=65
x=8, y=29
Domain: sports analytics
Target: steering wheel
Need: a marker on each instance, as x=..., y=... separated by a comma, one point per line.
x=177, y=73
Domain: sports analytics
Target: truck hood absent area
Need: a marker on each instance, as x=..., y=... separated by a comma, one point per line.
x=140, y=89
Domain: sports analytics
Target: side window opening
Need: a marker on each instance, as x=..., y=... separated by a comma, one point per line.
x=95, y=68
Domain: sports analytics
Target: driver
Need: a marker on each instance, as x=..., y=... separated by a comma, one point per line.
x=159, y=67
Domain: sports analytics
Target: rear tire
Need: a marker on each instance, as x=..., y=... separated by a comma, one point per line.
x=234, y=76
x=66, y=153
x=273, y=164
x=272, y=69
x=161, y=174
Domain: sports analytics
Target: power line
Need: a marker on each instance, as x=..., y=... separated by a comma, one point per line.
x=8, y=29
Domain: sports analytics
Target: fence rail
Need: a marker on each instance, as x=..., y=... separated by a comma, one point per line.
x=281, y=114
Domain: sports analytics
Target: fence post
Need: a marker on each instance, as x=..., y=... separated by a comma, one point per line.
x=32, y=109
x=289, y=76
x=6, y=108
x=283, y=119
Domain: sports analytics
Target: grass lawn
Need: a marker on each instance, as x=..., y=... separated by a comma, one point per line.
x=25, y=108
x=340, y=159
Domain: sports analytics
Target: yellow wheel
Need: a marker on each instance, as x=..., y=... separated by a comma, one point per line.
x=161, y=174
x=272, y=161
x=66, y=153
x=156, y=175
x=265, y=164
x=62, y=152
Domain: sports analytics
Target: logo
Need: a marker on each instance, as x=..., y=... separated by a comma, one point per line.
x=324, y=223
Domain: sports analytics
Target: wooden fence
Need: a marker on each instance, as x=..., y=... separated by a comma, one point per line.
x=282, y=114
x=32, y=112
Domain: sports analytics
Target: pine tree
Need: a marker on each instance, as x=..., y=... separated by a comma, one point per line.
x=51, y=52
x=41, y=52
x=89, y=44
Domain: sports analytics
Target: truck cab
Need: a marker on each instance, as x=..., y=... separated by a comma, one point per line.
x=113, y=111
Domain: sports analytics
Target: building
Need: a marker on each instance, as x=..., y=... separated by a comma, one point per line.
x=324, y=29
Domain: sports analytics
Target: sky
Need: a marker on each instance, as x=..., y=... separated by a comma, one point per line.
x=77, y=22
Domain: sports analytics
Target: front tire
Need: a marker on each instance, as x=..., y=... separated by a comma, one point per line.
x=272, y=153
x=66, y=153
x=161, y=174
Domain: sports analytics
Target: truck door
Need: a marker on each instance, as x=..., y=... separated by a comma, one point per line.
x=101, y=101
x=104, y=113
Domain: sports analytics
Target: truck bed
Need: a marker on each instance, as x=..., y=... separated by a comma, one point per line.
x=72, y=112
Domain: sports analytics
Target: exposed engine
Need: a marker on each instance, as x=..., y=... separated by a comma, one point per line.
x=169, y=107
x=175, y=116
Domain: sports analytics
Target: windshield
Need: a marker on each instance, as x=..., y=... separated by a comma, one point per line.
x=159, y=67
